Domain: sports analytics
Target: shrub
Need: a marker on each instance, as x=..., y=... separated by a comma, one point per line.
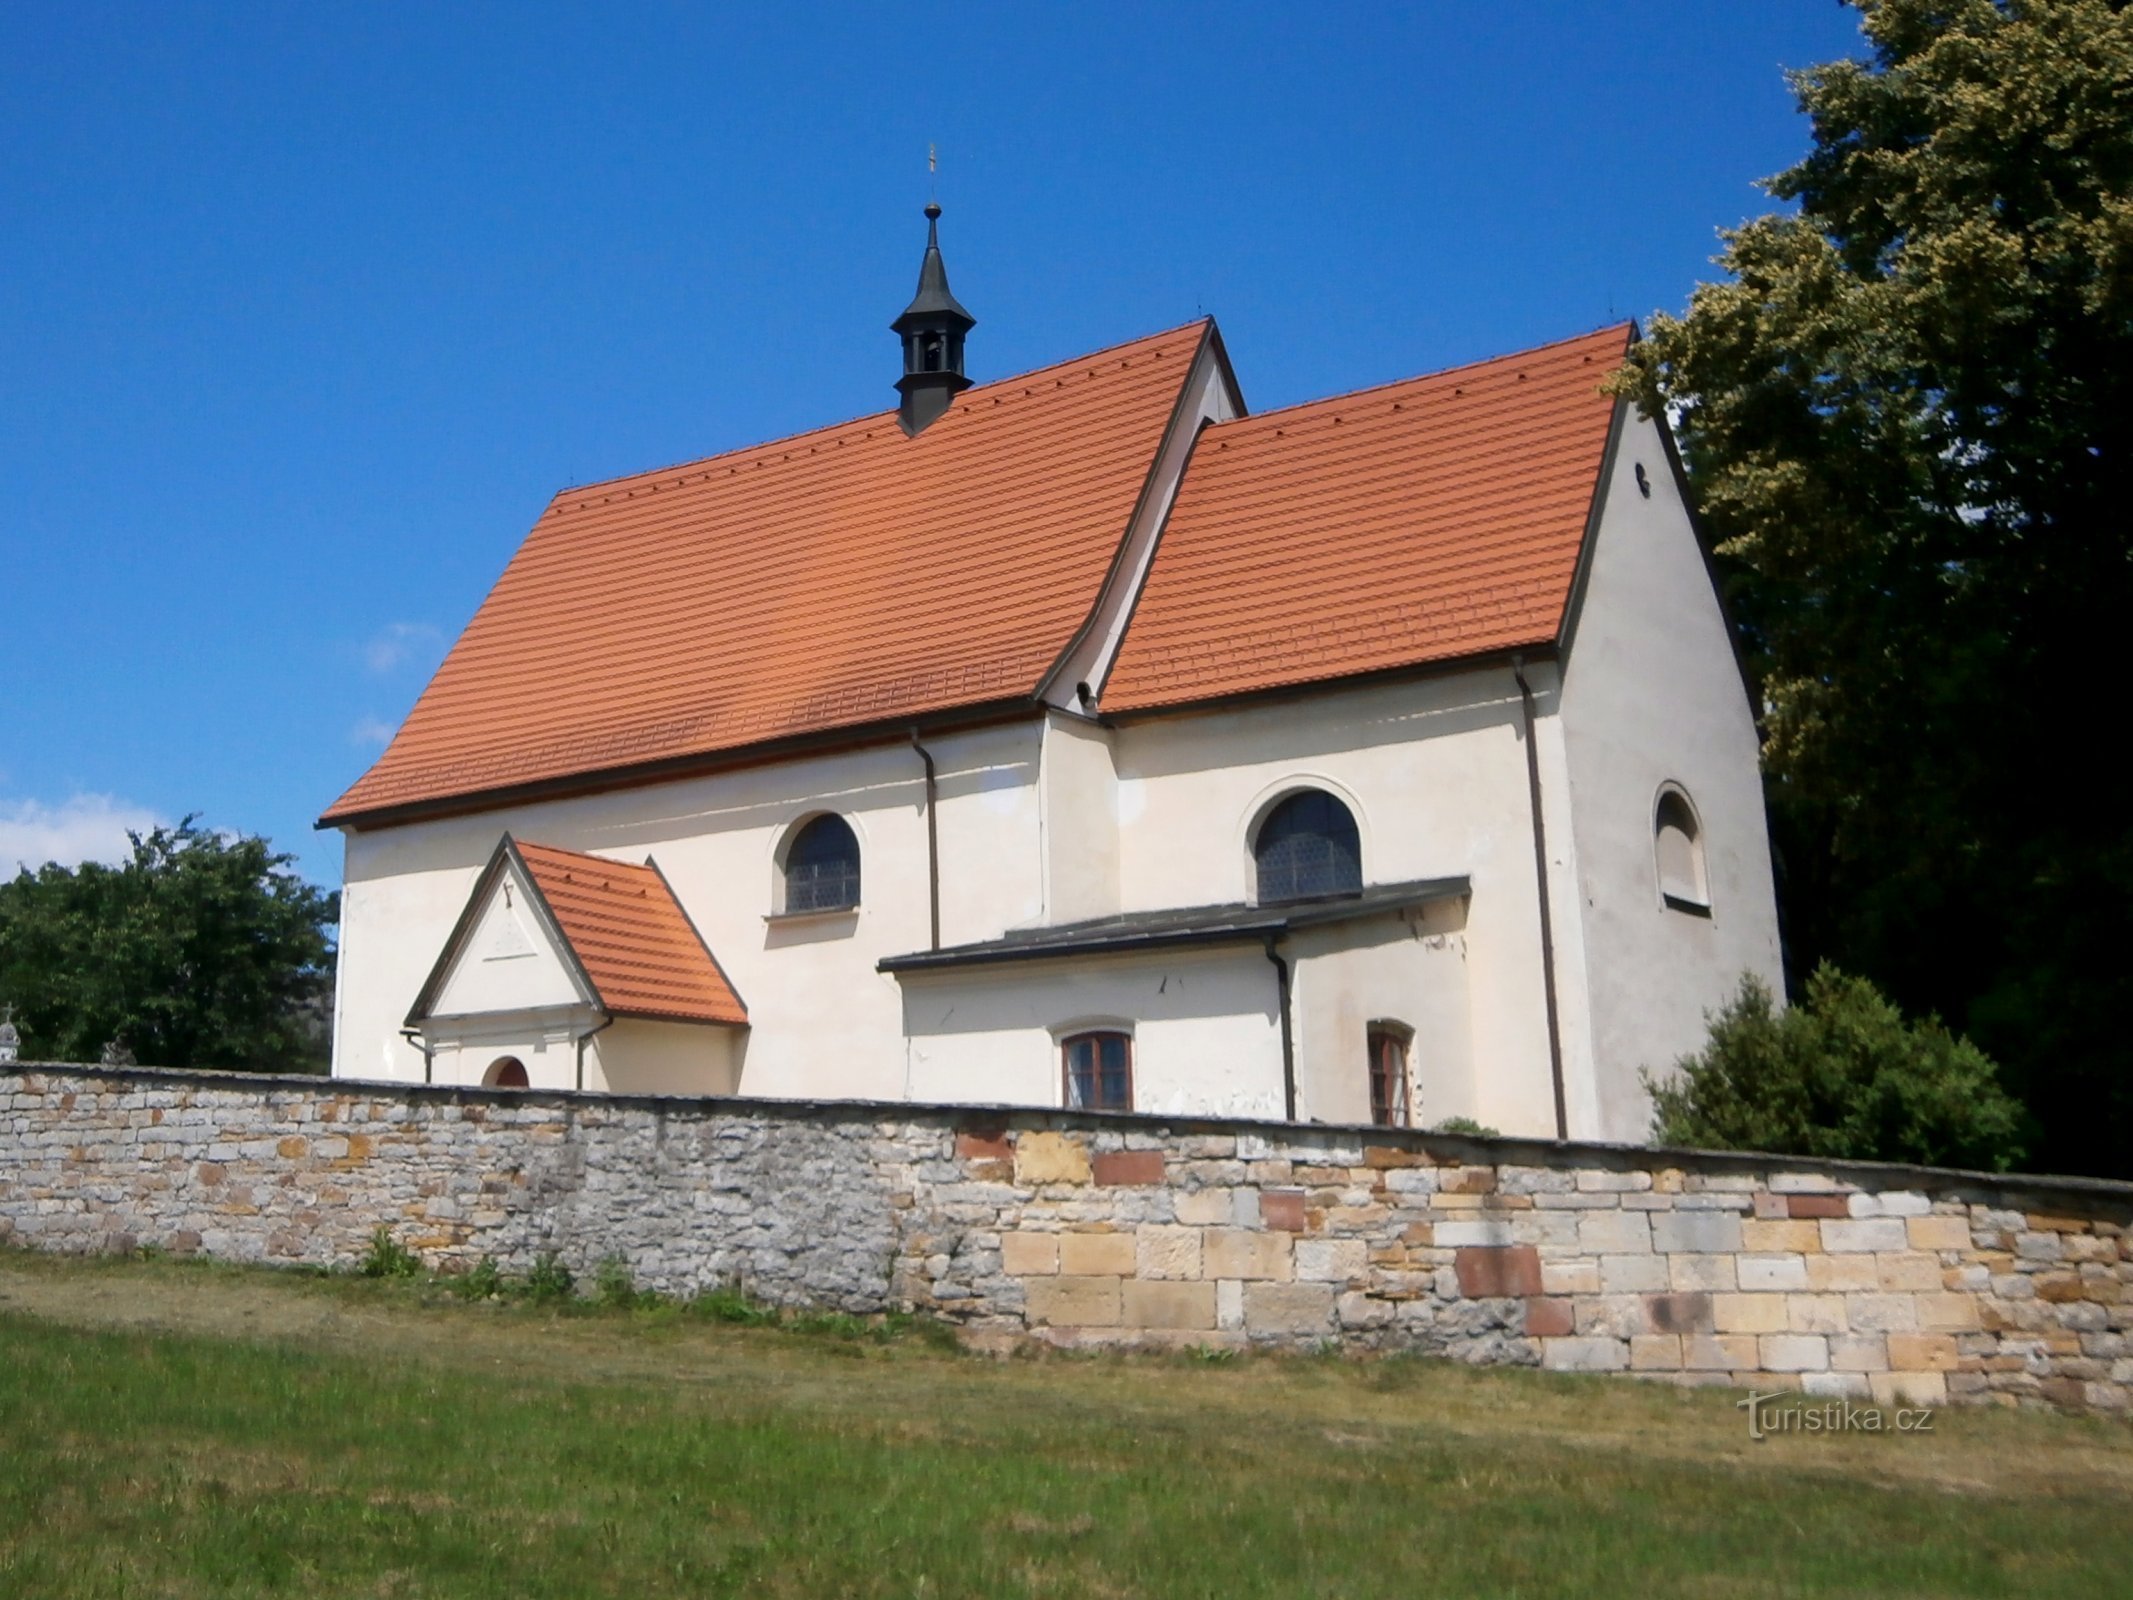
x=1841, y=1075
x=731, y=1303
x=481, y=1282
x=1467, y=1126
x=388, y=1258
x=550, y=1279
x=613, y=1286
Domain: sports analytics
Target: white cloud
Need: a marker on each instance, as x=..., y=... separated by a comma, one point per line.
x=371, y=731
x=398, y=643
x=87, y=827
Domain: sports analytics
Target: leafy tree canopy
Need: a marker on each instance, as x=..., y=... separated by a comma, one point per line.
x=201, y=951
x=1840, y=1075
x=1907, y=416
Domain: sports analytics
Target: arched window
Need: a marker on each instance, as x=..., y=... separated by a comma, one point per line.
x=1098, y=1069
x=822, y=867
x=1678, y=847
x=505, y=1072
x=1308, y=846
x=1388, y=1073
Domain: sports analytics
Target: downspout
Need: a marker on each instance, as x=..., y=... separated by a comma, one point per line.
x=582, y=1039
x=1288, y=1029
x=1547, y=916
x=421, y=1043
x=933, y=844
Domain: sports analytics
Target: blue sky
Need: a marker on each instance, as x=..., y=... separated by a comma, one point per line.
x=305, y=310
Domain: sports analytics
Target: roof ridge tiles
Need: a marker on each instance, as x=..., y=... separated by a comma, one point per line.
x=886, y=417
x=1369, y=391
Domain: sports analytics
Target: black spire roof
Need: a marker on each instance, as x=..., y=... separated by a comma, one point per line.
x=933, y=298
x=931, y=328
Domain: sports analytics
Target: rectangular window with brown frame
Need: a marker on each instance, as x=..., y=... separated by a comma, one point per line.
x=1098, y=1071
x=1388, y=1075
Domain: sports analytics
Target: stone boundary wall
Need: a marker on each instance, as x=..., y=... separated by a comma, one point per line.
x=1897, y=1284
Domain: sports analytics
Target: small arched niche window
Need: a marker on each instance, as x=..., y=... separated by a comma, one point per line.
x=1388, y=1073
x=1097, y=1067
x=1678, y=849
x=505, y=1072
x=1308, y=846
x=822, y=867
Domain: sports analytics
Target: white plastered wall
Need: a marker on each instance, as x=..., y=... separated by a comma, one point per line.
x=823, y=1021
x=1205, y=1021
x=1652, y=695
x=1407, y=967
x=1434, y=770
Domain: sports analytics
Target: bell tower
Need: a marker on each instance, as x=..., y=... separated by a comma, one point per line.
x=932, y=329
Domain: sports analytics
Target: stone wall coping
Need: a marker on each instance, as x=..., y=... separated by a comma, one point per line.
x=1465, y=1149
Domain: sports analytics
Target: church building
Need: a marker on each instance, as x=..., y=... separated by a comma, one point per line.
x=1084, y=738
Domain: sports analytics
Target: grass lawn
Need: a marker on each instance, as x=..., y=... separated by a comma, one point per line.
x=179, y=1430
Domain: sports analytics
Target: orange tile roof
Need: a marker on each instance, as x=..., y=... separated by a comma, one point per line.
x=633, y=941
x=833, y=579
x=1426, y=520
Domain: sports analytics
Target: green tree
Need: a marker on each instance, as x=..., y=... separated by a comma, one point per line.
x=1907, y=417
x=200, y=951
x=1840, y=1075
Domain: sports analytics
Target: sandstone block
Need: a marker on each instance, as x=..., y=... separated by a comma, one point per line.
x=1571, y=1277
x=1549, y=1318
x=1725, y=1352
x=1908, y=1388
x=1050, y=1158
x=1163, y=1250
x=1841, y=1274
x=1613, y=1182
x=1229, y=1305
x=1246, y=1253
x=1646, y=1274
x=1923, y=1352
x=1655, y=1352
x=990, y=1144
x=1128, y=1167
x=1816, y=1205
x=1167, y=1305
x=1791, y=1238
x=1793, y=1352
x=1816, y=1313
x=1491, y=1272
x=1097, y=1255
x=1697, y=1232
x=1282, y=1209
x=1802, y=1183
x=1678, y=1313
x=1876, y=1234
x=1203, y=1208
x=1772, y=1272
x=1614, y=1316
x=1907, y=1271
x=1859, y=1352
x=1064, y=1302
x=1714, y=1272
x=1614, y=1233
x=1749, y=1313
x=1332, y=1260
x=1882, y=1313
x=1288, y=1308
x=1585, y=1355
x=1947, y=1313
x=1938, y=1232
